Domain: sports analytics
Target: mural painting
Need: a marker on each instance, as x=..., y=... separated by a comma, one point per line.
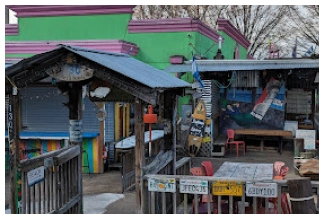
x=266, y=113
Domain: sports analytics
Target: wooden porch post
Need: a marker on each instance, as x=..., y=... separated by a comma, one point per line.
x=13, y=136
x=101, y=141
x=75, y=129
x=139, y=154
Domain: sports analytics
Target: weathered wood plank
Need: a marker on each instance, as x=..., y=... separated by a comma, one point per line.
x=27, y=165
x=66, y=155
x=182, y=162
x=68, y=205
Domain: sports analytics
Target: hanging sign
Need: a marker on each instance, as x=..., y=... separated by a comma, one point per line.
x=70, y=72
x=75, y=130
x=35, y=176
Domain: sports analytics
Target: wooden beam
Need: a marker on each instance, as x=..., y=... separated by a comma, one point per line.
x=139, y=153
x=13, y=137
x=132, y=87
x=101, y=142
x=75, y=135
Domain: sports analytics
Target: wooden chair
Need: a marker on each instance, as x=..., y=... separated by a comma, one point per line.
x=207, y=167
x=230, y=141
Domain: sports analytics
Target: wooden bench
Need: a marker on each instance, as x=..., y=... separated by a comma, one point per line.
x=264, y=134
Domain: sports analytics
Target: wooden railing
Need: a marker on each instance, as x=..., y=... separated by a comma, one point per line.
x=162, y=202
x=60, y=190
x=183, y=204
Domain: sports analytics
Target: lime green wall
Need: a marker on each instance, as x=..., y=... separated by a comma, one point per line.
x=228, y=47
x=18, y=55
x=72, y=27
x=154, y=48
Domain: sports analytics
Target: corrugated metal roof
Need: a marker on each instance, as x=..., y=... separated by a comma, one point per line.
x=230, y=65
x=130, y=67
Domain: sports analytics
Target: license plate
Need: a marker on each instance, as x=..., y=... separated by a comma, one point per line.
x=193, y=186
x=229, y=188
x=266, y=190
x=161, y=185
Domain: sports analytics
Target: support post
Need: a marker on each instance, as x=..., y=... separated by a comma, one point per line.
x=101, y=141
x=75, y=129
x=13, y=137
x=139, y=155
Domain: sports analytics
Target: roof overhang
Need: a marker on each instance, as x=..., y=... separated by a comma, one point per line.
x=244, y=65
x=121, y=70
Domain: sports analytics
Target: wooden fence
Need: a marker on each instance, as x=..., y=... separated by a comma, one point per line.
x=188, y=203
x=59, y=191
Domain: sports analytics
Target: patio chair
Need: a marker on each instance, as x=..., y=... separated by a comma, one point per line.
x=283, y=171
x=230, y=141
x=277, y=165
x=207, y=167
x=196, y=171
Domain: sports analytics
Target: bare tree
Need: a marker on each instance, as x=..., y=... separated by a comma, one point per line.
x=305, y=23
x=262, y=25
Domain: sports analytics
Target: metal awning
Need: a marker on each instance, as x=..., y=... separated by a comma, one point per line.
x=237, y=65
x=121, y=70
x=122, y=63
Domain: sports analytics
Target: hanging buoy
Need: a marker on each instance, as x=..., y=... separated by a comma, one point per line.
x=150, y=118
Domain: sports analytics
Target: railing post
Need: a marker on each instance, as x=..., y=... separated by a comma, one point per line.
x=243, y=201
x=152, y=202
x=163, y=203
x=185, y=203
x=230, y=203
x=255, y=205
x=279, y=199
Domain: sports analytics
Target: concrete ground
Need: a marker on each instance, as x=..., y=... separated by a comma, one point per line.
x=102, y=192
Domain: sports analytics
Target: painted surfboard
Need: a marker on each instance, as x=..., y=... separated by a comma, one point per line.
x=196, y=132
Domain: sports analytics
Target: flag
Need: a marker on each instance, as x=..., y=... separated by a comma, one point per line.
x=294, y=52
x=310, y=51
x=195, y=72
